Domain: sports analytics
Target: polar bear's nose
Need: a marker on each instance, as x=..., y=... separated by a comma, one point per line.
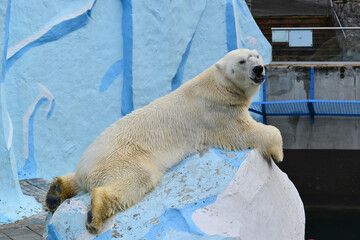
x=258, y=70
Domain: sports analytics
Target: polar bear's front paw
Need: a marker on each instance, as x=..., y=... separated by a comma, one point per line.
x=274, y=145
x=278, y=157
x=274, y=154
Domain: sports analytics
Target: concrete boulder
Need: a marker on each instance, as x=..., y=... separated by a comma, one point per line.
x=237, y=195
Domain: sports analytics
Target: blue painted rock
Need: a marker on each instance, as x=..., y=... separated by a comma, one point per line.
x=221, y=195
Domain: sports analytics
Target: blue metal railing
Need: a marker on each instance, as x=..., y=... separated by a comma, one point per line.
x=308, y=107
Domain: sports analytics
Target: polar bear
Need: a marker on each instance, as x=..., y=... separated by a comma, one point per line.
x=128, y=159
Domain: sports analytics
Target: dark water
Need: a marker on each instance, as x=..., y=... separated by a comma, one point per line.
x=332, y=224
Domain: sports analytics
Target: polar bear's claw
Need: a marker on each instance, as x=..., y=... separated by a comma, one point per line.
x=53, y=202
x=92, y=229
x=90, y=223
x=61, y=189
x=275, y=159
x=89, y=215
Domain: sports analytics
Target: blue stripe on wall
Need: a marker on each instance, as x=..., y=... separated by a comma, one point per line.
x=51, y=110
x=242, y=43
x=177, y=80
x=127, y=104
x=112, y=73
x=29, y=170
x=56, y=32
x=230, y=26
x=6, y=41
x=53, y=34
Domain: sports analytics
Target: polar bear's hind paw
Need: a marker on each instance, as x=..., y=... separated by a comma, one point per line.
x=54, y=197
x=61, y=189
x=92, y=224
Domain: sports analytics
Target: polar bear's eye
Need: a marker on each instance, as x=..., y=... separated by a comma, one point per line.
x=242, y=62
x=257, y=56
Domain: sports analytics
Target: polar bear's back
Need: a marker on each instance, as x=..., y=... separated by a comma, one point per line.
x=165, y=131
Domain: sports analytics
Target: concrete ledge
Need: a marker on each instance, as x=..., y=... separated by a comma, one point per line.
x=313, y=64
x=218, y=196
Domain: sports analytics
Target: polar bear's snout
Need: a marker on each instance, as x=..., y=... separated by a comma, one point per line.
x=258, y=70
x=258, y=76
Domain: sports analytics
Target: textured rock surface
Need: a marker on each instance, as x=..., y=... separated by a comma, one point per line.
x=259, y=203
x=218, y=196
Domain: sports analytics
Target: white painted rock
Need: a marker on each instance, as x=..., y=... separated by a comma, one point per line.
x=217, y=196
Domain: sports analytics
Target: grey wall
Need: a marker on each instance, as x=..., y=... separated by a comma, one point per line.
x=294, y=7
x=331, y=83
x=349, y=15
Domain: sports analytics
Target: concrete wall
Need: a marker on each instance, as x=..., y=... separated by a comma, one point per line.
x=348, y=13
x=13, y=204
x=331, y=83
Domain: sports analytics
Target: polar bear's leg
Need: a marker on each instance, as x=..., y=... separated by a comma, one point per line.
x=61, y=189
x=250, y=134
x=267, y=139
x=118, y=196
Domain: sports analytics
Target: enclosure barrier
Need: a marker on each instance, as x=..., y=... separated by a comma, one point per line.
x=307, y=107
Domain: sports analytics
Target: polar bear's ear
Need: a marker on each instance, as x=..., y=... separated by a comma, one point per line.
x=220, y=65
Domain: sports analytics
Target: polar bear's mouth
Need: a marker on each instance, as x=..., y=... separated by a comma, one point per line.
x=258, y=79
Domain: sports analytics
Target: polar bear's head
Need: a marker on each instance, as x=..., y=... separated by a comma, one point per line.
x=243, y=67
